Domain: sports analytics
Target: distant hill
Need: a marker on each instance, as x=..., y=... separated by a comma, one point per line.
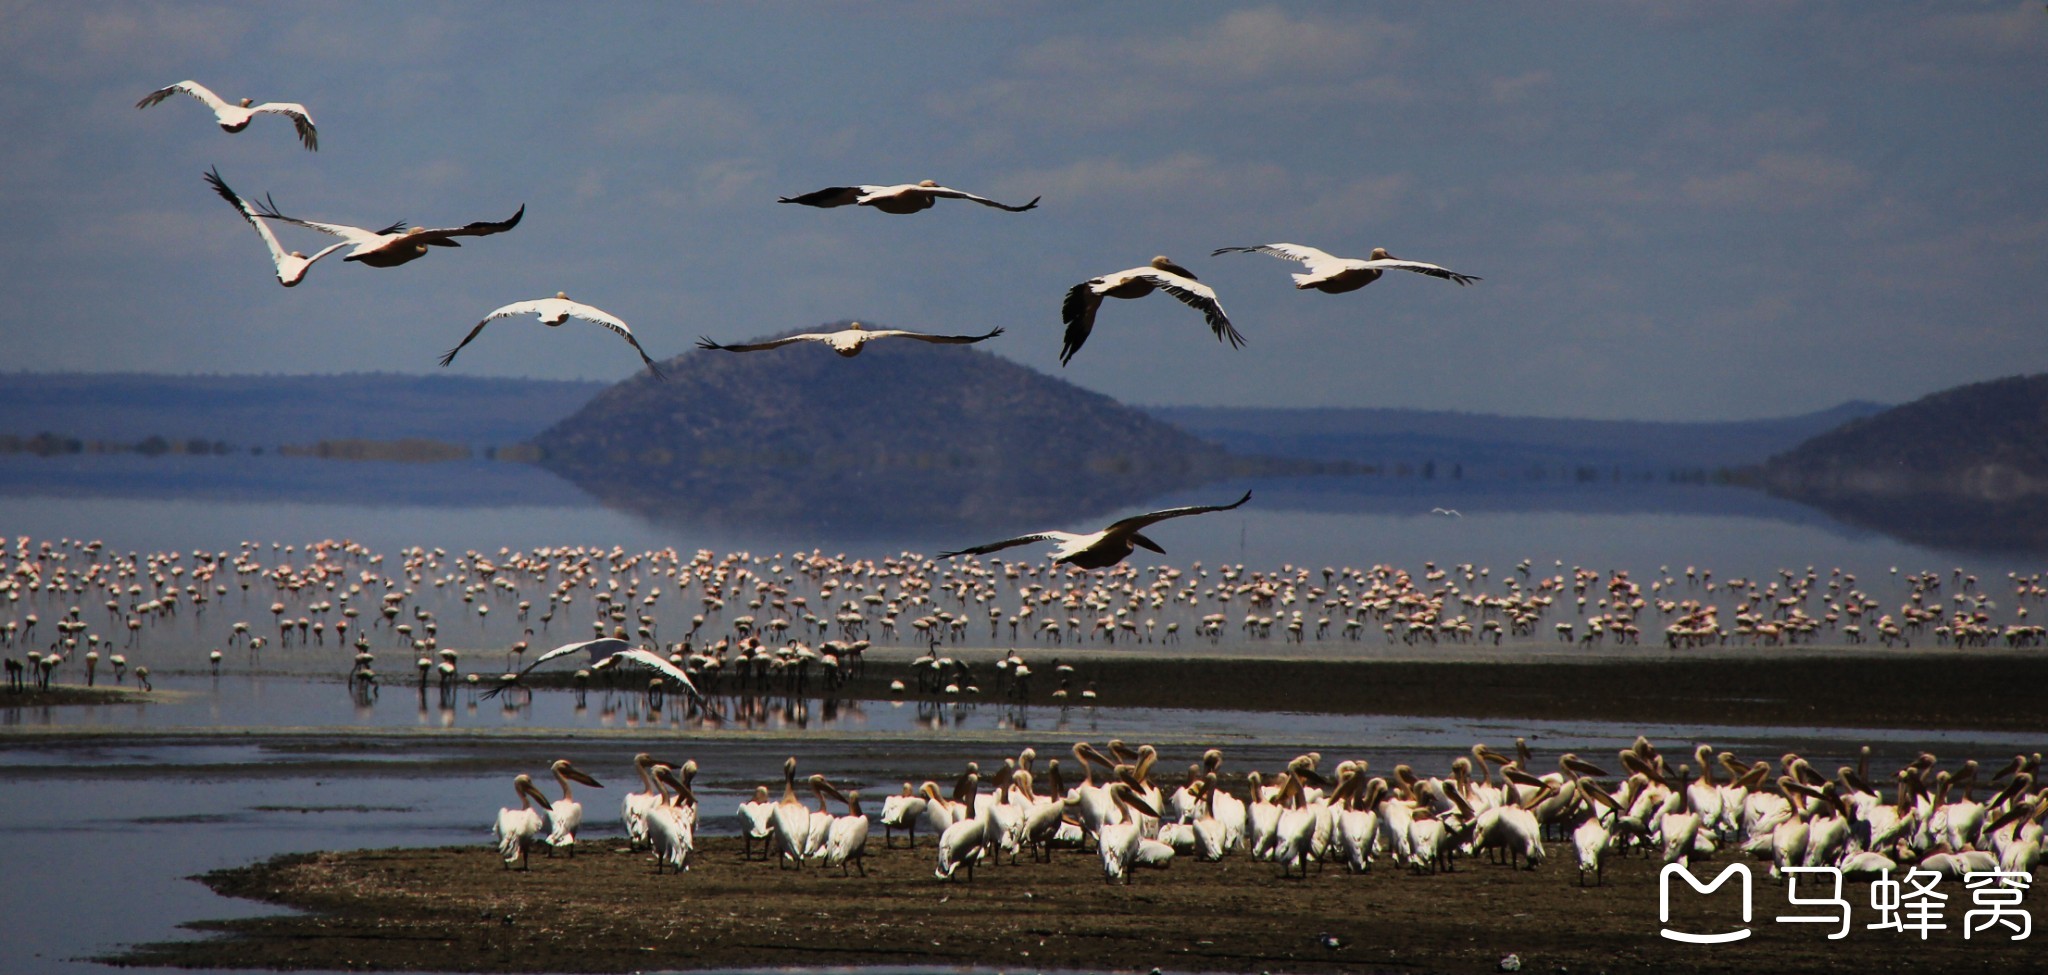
x=905, y=434
x=267, y=411
x=1478, y=441
x=1962, y=467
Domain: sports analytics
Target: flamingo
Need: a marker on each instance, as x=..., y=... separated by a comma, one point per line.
x=291, y=267
x=394, y=245
x=516, y=828
x=566, y=813
x=1078, y=311
x=849, y=340
x=900, y=198
x=1331, y=274
x=553, y=312
x=235, y=118
x=1102, y=549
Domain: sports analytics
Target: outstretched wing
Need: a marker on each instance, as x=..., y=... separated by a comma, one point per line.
x=480, y=228
x=1078, y=311
x=193, y=88
x=954, y=194
x=604, y=645
x=354, y=235
x=1317, y=261
x=655, y=663
x=830, y=196
x=220, y=186
x=1008, y=543
x=601, y=317
x=299, y=116
x=1200, y=297
x=706, y=343
x=534, y=307
x=1139, y=522
x=1419, y=267
x=890, y=333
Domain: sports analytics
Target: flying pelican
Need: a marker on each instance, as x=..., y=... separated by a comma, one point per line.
x=553, y=312
x=655, y=663
x=1078, y=311
x=566, y=813
x=848, y=341
x=1100, y=550
x=600, y=648
x=394, y=245
x=1336, y=275
x=291, y=267
x=235, y=118
x=516, y=828
x=901, y=198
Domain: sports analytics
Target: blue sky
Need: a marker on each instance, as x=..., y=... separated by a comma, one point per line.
x=1680, y=210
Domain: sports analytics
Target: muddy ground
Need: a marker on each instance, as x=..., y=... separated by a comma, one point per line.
x=459, y=909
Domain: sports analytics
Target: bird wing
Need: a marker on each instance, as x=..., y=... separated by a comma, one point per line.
x=479, y=228
x=220, y=186
x=657, y=664
x=1078, y=311
x=830, y=196
x=888, y=333
x=193, y=88
x=1419, y=267
x=535, y=307
x=1199, y=296
x=1317, y=261
x=599, y=316
x=706, y=343
x=1139, y=522
x=954, y=194
x=1009, y=543
x=606, y=643
x=299, y=116
x=354, y=235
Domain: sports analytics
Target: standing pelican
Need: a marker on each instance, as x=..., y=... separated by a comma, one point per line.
x=235, y=118
x=553, y=312
x=1121, y=843
x=633, y=809
x=847, y=841
x=900, y=198
x=848, y=341
x=1078, y=311
x=516, y=828
x=1100, y=550
x=394, y=245
x=759, y=815
x=901, y=812
x=566, y=813
x=1331, y=274
x=291, y=267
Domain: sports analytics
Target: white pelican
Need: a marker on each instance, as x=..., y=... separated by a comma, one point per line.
x=1336, y=275
x=901, y=812
x=792, y=819
x=759, y=813
x=553, y=312
x=847, y=842
x=966, y=840
x=566, y=813
x=633, y=809
x=672, y=823
x=900, y=198
x=599, y=648
x=516, y=828
x=1078, y=311
x=235, y=118
x=394, y=245
x=848, y=341
x=291, y=267
x=655, y=663
x=1100, y=550
x=820, y=826
x=1121, y=843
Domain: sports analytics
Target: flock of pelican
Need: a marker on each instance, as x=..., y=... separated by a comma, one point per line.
x=1122, y=806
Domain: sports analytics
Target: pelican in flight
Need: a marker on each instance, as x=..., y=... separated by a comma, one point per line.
x=553, y=312
x=291, y=267
x=1100, y=550
x=599, y=648
x=652, y=662
x=1336, y=275
x=235, y=118
x=848, y=341
x=901, y=198
x=394, y=245
x=1078, y=311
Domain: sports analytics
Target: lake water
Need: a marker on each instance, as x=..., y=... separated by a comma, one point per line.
x=276, y=754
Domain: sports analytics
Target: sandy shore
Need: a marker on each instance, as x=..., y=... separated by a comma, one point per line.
x=458, y=909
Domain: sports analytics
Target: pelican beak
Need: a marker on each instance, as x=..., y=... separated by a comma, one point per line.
x=1584, y=767
x=578, y=775
x=533, y=792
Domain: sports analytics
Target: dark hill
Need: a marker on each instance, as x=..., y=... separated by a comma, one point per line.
x=905, y=434
x=1962, y=467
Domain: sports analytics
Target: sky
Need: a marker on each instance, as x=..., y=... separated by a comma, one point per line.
x=1678, y=210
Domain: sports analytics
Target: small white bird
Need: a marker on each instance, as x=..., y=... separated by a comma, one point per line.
x=1446, y=512
x=553, y=312
x=1078, y=311
x=900, y=198
x=1100, y=550
x=394, y=245
x=848, y=341
x=235, y=118
x=291, y=267
x=1336, y=275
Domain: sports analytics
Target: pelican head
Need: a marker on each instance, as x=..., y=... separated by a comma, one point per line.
x=299, y=254
x=927, y=183
x=563, y=295
x=854, y=326
x=246, y=102
x=1380, y=254
x=1164, y=263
